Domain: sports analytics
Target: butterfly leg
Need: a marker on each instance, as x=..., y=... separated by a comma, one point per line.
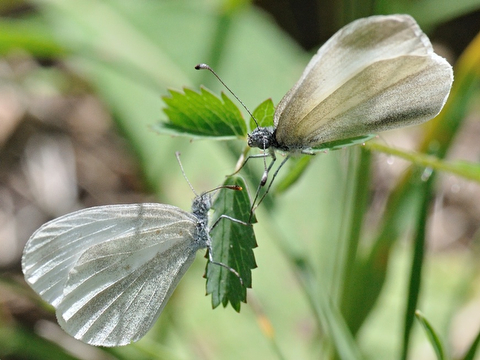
x=264, y=178
x=210, y=252
x=254, y=207
x=263, y=155
x=232, y=270
x=231, y=219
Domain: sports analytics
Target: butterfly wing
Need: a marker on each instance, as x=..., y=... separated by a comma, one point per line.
x=109, y=270
x=374, y=74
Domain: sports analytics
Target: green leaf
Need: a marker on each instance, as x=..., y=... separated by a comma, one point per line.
x=263, y=114
x=232, y=245
x=432, y=335
x=202, y=115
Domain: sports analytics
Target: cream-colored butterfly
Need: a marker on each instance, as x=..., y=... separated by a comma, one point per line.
x=375, y=74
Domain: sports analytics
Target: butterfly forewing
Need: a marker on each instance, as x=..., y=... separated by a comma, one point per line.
x=53, y=250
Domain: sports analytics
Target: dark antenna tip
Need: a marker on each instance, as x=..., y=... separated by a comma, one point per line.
x=202, y=67
x=230, y=187
x=206, y=67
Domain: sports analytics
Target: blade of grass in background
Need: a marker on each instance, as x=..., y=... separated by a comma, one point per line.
x=449, y=122
x=351, y=289
x=432, y=335
x=442, y=132
x=470, y=355
x=416, y=269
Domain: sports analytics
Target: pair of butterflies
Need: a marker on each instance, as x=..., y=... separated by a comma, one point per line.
x=110, y=270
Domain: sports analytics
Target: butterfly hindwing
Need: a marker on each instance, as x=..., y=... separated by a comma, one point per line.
x=117, y=289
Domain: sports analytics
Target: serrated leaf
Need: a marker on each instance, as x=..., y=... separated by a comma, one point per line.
x=432, y=335
x=201, y=115
x=232, y=245
x=263, y=114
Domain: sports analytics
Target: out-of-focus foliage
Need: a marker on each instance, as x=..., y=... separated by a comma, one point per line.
x=352, y=241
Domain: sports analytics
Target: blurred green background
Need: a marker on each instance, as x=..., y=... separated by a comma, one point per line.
x=345, y=255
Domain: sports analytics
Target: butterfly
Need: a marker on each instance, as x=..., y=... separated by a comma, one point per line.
x=110, y=270
x=375, y=74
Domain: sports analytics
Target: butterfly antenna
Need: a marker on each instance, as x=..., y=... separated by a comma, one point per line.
x=231, y=187
x=177, y=154
x=206, y=67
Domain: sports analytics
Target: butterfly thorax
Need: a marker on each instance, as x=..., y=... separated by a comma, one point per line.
x=200, y=208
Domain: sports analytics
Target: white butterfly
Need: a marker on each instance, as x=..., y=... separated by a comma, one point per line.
x=109, y=270
x=375, y=74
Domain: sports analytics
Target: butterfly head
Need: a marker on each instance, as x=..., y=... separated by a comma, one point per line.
x=201, y=205
x=262, y=137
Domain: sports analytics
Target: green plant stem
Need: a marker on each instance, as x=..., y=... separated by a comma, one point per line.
x=417, y=262
x=466, y=170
